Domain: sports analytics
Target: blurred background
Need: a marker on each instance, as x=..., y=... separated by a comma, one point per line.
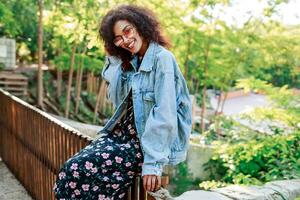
x=241, y=60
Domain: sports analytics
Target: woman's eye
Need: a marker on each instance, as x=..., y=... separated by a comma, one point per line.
x=117, y=40
x=128, y=31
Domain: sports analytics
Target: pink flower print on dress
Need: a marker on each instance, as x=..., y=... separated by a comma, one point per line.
x=139, y=155
x=85, y=187
x=120, y=134
x=94, y=170
x=75, y=174
x=104, y=171
x=119, y=178
x=116, y=173
x=105, y=155
x=73, y=196
x=87, y=174
x=132, y=131
x=118, y=159
x=115, y=186
x=128, y=164
x=130, y=173
x=72, y=185
x=108, y=162
x=136, y=146
x=62, y=175
x=74, y=166
x=108, y=185
x=101, y=197
x=97, y=154
x=77, y=192
x=95, y=188
x=105, y=178
x=88, y=165
x=140, y=164
x=121, y=195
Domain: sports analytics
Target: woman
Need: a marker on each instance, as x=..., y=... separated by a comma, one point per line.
x=152, y=122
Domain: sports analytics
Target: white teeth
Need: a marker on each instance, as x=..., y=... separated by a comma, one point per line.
x=131, y=44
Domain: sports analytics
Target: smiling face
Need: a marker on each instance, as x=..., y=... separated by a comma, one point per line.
x=127, y=37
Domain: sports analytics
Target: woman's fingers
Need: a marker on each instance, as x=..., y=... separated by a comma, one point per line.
x=158, y=183
x=145, y=182
x=151, y=182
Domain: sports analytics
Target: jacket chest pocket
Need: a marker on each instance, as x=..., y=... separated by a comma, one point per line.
x=148, y=81
x=148, y=102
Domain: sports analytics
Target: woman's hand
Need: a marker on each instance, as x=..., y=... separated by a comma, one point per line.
x=151, y=182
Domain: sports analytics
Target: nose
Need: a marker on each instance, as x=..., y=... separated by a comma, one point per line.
x=125, y=39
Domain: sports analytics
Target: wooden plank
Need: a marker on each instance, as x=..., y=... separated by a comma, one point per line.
x=13, y=83
x=12, y=76
x=14, y=88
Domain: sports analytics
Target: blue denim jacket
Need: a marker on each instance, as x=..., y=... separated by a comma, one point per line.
x=161, y=103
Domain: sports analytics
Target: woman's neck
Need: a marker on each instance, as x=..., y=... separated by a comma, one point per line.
x=143, y=49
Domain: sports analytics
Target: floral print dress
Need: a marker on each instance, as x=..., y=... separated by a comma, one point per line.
x=104, y=169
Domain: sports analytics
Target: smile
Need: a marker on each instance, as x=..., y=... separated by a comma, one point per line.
x=131, y=44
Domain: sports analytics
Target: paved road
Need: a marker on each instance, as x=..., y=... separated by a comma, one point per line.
x=10, y=188
x=242, y=104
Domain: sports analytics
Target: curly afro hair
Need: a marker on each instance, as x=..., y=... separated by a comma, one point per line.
x=143, y=19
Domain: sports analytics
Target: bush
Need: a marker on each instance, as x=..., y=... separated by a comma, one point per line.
x=2, y=66
x=258, y=161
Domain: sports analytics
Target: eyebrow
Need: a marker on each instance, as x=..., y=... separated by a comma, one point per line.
x=123, y=30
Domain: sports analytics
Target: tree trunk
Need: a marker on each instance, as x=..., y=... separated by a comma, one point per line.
x=59, y=82
x=197, y=86
x=70, y=81
x=219, y=102
x=99, y=98
x=187, y=58
x=203, y=107
x=217, y=112
x=223, y=101
x=79, y=81
x=40, y=56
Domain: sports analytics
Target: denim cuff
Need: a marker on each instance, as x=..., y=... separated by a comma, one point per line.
x=152, y=169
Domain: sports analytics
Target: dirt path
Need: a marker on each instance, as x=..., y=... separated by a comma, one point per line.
x=10, y=188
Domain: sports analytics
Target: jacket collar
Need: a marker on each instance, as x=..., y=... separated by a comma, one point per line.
x=148, y=60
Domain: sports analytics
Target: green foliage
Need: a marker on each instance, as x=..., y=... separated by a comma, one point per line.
x=258, y=161
x=2, y=66
x=245, y=156
x=285, y=105
x=88, y=63
x=8, y=25
x=182, y=180
x=225, y=129
x=208, y=185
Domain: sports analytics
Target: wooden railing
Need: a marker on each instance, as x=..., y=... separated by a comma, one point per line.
x=34, y=145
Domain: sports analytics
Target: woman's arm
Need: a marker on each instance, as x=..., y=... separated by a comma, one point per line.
x=161, y=125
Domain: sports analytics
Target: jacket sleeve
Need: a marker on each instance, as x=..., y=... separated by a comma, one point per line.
x=108, y=69
x=161, y=125
x=109, y=73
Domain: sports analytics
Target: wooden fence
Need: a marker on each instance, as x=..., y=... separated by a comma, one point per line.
x=34, y=145
x=14, y=82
